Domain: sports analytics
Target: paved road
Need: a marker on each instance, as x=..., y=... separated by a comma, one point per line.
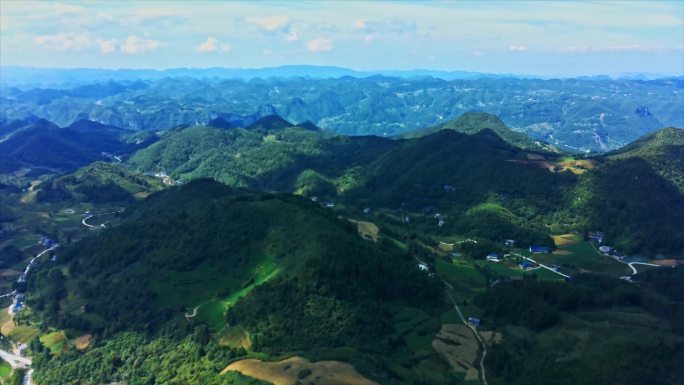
x=194, y=311
x=28, y=378
x=16, y=362
x=634, y=270
x=95, y=215
x=542, y=265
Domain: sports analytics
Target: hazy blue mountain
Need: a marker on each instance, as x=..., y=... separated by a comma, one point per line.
x=572, y=114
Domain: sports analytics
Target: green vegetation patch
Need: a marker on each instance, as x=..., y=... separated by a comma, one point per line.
x=5, y=369
x=56, y=342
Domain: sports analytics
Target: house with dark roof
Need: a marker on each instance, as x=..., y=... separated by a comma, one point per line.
x=596, y=236
x=540, y=249
x=474, y=321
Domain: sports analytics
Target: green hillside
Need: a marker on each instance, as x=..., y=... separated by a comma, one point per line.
x=270, y=155
x=662, y=149
x=98, y=182
x=291, y=273
x=473, y=122
x=460, y=166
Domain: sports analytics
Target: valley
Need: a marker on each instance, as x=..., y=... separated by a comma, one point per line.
x=353, y=260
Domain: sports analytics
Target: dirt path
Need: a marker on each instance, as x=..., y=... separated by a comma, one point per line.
x=483, y=375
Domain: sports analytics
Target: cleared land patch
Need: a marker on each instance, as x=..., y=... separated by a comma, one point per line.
x=563, y=240
x=82, y=342
x=574, y=166
x=367, y=230
x=235, y=337
x=213, y=312
x=293, y=369
x=459, y=347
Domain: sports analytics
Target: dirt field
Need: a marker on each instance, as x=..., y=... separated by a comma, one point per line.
x=491, y=338
x=574, y=166
x=562, y=252
x=82, y=342
x=458, y=345
x=235, y=337
x=6, y=323
x=668, y=262
x=565, y=239
x=368, y=230
x=286, y=372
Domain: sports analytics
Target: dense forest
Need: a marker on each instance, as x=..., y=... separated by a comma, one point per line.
x=593, y=330
x=330, y=288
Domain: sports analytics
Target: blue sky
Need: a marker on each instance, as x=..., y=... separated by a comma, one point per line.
x=537, y=38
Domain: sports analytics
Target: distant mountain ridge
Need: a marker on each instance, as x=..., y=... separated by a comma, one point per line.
x=582, y=115
x=19, y=75
x=43, y=147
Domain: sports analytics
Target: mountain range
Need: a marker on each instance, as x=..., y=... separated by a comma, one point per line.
x=572, y=114
x=252, y=249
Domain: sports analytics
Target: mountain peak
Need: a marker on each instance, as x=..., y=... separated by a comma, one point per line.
x=270, y=122
x=220, y=123
x=472, y=123
x=309, y=125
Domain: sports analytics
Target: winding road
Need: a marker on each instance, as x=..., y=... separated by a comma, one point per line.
x=16, y=362
x=96, y=215
x=194, y=311
x=634, y=270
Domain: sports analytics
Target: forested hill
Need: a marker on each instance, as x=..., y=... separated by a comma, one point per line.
x=474, y=122
x=41, y=147
x=279, y=264
x=492, y=181
x=662, y=149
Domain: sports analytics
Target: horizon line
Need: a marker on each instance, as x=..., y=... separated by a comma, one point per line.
x=655, y=75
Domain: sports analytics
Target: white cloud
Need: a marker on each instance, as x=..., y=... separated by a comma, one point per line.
x=139, y=15
x=478, y=54
x=624, y=48
x=292, y=35
x=136, y=44
x=212, y=45
x=270, y=23
x=320, y=44
x=107, y=46
x=67, y=8
x=517, y=48
x=612, y=48
x=64, y=41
